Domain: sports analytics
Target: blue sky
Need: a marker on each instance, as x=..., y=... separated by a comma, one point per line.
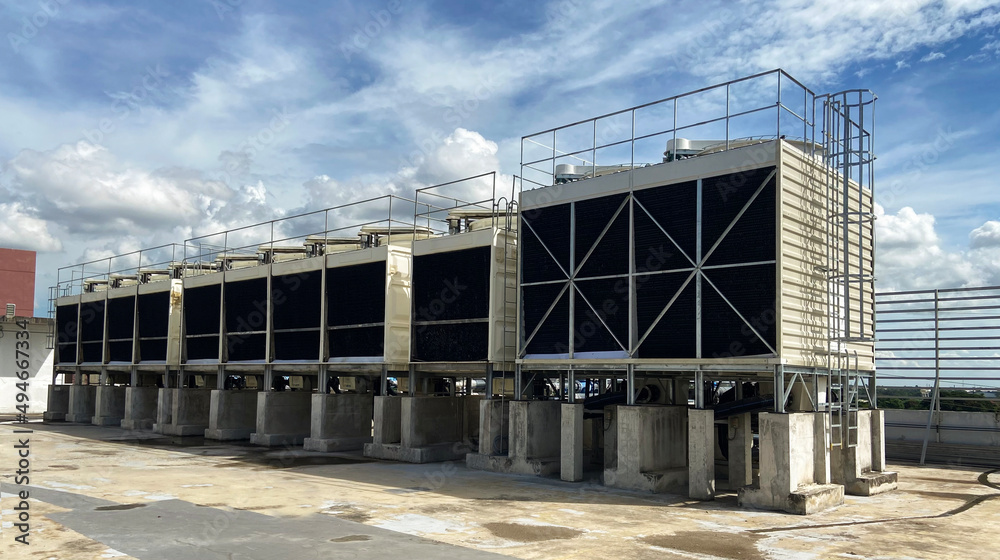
x=218, y=113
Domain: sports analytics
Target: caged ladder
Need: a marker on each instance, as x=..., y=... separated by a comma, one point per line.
x=847, y=144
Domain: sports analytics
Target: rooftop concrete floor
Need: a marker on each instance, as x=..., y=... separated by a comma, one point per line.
x=108, y=493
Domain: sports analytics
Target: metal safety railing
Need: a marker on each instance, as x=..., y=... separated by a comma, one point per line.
x=353, y=225
x=753, y=109
x=939, y=348
x=452, y=207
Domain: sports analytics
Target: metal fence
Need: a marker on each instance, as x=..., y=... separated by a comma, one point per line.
x=940, y=348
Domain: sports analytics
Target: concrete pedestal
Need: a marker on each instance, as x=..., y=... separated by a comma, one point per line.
x=494, y=423
x=57, y=405
x=283, y=418
x=109, y=407
x=82, y=403
x=571, y=446
x=534, y=441
x=183, y=412
x=140, y=408
x=232, y=415
x=648, y=450
x=740, y=454
x=340, y=422
x=701, y=454
x=387, y=422
x=794, y=465
x=861, y=467
x=431, y=429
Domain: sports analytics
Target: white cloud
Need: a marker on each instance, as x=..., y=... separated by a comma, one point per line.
x=901, y=64
x=931, y=56
x=985, y=236
x=910, y=255
x=22, y=229
x=86, y=189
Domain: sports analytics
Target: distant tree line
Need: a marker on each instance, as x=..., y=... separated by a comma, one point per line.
x=889, y=397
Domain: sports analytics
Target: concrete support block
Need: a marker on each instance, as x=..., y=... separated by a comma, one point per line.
x=860, y=467
x=57, y=405
x=340, y=422
x=571, y=446
x=431, y=429
x=283, y=418
x=109, y=406
x=740, y=451
x=649, y=449
x=794, y=460
x=534, y=438
x=533, y=434
x=878, y=440
x=232, y=415
x=821, y=448
x=140, y=408
x=164, y=409
x=387, y=422
x=701, y=454
x=472, y=406
x=188, y=412
x=431, y=421
x=82, y=403
x=494, y=423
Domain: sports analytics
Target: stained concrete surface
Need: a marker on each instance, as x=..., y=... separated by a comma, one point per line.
x=300, y=504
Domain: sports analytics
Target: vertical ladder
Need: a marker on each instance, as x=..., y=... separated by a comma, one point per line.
x=50, y=337
x=509, y=228
x=505, y=211
x=847, y=152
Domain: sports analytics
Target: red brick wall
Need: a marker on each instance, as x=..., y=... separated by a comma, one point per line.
x=17, y=281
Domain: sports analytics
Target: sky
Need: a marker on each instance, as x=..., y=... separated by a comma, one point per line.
x=134, y=124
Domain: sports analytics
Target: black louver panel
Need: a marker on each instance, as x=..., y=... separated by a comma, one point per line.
x=296, y=300
x=452, y=285
x=463, y=342
x=201, y=311
x=66, y=333
x=551, y=226
x=357, y=342
x=246, y=306
x=121, y=317
x=356, y=294
x=92, y=322
x=552, y=336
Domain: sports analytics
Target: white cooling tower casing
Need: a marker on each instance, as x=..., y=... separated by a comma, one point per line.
x=501, y=314
x=397, y=298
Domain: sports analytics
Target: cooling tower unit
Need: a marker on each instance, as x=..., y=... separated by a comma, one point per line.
x=121, y=325
x=245, y=309
x=153, y=322
x=368, y=305
x=296, y=296
x=67, y=319
x=202, y=318
x=92, y=306
x=718, y=259
x=458, y=296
